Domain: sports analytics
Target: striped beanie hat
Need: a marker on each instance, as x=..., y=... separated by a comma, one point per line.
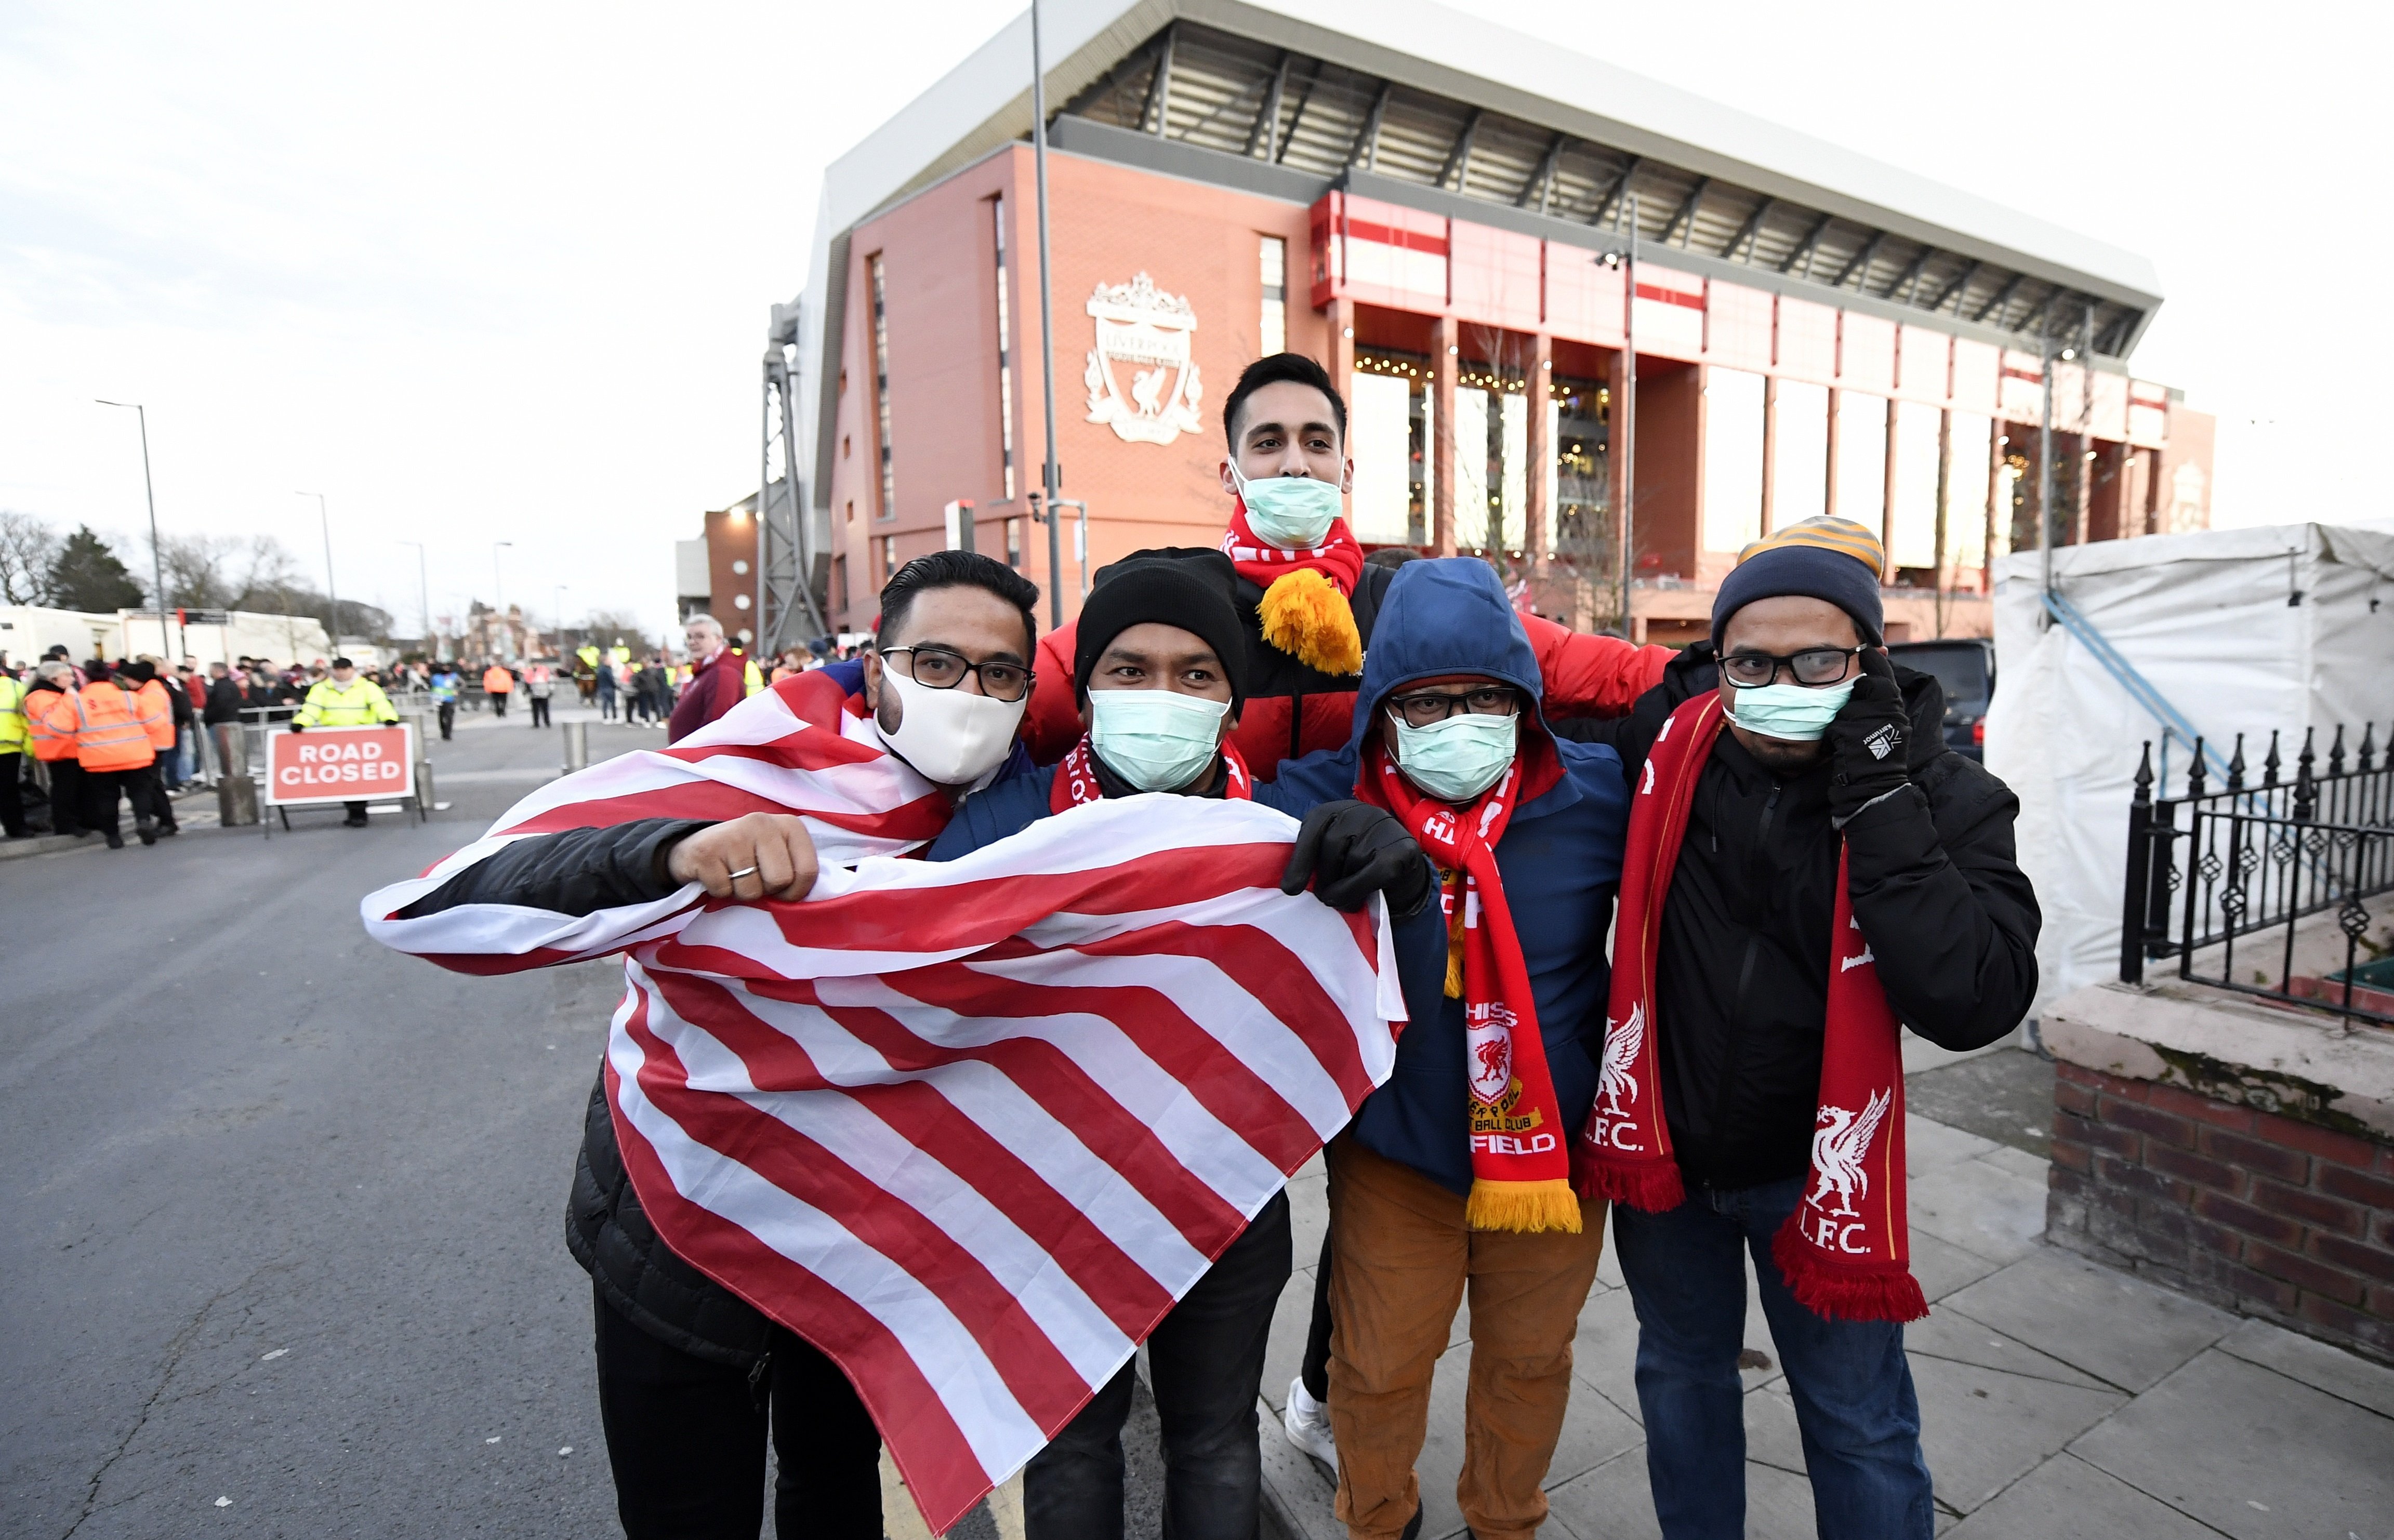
x=1834, y=559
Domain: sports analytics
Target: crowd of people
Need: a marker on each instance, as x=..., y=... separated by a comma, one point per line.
x=1679, y=902
x=72, y=776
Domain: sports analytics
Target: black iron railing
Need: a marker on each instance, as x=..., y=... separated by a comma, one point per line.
x=2222, y=879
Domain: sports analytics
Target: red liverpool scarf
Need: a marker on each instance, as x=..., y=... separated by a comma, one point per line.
x=1305, y=609
x=1076, y=778
x=1521, y=1157
x=1846, y=1251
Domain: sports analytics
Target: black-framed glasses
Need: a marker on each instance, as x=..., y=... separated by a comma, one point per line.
x=1429, y=708
x=938, y=669
x=1814, y=665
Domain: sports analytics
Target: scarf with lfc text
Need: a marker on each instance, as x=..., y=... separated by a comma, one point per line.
x=1520, y=1155
x=1076, y=778
x=1846, y=1251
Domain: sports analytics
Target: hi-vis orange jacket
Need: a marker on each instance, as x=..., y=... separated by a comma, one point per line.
x=498, y=681
x=50, y=745
x=157, y=714
x=108, y=725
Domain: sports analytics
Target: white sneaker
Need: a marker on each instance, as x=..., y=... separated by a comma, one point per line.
x=1308, y=1422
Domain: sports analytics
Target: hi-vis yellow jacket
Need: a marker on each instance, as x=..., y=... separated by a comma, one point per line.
x=359, y=703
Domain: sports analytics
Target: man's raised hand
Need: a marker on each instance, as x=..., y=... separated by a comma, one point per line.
x=760, y=856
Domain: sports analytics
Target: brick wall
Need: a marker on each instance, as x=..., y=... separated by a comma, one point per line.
x=2259, y=1213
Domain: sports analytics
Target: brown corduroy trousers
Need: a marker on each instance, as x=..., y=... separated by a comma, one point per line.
x=1401, y=1258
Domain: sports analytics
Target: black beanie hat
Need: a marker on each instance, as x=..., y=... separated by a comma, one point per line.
x=1182, y=585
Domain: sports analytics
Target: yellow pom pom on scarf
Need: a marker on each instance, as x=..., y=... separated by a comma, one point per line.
x=1306, y=616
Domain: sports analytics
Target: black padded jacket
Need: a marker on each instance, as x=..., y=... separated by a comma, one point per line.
x=576, y=873
x=1743, y=973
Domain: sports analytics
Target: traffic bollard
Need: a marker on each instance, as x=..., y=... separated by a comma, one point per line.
x=236, y=788
x=236, y=801
x=577, y=746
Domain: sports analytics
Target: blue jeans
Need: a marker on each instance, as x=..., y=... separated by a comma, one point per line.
x=1852, y=1384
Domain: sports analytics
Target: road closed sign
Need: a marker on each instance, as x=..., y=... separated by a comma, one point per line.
x=340, y=764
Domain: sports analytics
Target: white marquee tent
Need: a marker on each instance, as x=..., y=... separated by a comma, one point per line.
x=2284, y=628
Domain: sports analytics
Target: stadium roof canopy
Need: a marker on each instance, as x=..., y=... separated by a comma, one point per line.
x=1411, y=102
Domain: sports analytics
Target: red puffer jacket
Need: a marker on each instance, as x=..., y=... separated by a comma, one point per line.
x=1292, y=710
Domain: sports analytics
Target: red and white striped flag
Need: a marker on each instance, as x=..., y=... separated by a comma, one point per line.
x=972, y=1127
x=790, y=749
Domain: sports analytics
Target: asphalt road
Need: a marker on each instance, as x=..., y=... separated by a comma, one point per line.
x=285, y=1251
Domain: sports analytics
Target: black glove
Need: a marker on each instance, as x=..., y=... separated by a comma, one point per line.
x=298, y=727
x=1867, y=740
x=1349, y=850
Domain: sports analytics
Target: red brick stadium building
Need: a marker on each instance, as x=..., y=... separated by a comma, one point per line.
x=1439, y=210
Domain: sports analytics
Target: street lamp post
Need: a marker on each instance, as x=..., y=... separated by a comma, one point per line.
x=423, y=590
x=499, y=595
x=157, y=558
x=1622, y=434
x=332, y=596
x=1047, y=325
x=561, y=617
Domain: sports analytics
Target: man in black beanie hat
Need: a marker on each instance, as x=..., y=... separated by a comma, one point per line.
x=1159, y=673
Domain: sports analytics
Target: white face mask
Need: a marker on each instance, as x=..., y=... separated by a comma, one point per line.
x=952, y=737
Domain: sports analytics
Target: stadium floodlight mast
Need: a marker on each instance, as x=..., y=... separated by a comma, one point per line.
x=157, y=559
x=1051, y=479
x=331, y=597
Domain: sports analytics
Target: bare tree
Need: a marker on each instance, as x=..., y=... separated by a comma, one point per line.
x=27, y=547
x=195, y=569
x=607, y=627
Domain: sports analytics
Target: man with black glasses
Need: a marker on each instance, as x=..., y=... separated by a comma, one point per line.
x=692, y=1377
x=1454, y=1176
x=1808, y=866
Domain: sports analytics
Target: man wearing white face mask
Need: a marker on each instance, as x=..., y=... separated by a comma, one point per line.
x=1454, y=1176
x=1159, y=676
x=692, y=1378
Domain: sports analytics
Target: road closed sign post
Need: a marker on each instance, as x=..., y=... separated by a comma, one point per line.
x=332, y=764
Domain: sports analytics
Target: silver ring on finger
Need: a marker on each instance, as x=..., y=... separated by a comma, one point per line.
x=744, y=872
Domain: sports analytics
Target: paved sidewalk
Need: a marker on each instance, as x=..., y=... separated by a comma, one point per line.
x=2058, y=1398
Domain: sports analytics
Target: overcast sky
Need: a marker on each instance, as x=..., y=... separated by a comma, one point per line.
x=500, y=271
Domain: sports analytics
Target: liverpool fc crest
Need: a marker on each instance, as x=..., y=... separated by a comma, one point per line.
x=1143, y=374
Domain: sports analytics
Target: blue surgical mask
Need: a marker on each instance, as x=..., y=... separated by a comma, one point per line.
x=1456, y=759
x=1292, y=512
x=1157, y=740
x=1800, y=714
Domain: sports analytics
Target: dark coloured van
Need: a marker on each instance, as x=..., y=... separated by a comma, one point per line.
x=1965, y=666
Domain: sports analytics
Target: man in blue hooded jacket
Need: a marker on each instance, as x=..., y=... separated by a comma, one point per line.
x=1449, y=1175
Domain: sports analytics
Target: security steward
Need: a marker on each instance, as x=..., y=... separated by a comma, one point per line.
x=154, y=702
x=53, y=750
x=498, y=683
x=347, y=699
x=13, y=739
x=111, y=746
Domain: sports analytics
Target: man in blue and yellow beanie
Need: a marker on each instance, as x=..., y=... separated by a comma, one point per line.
x=1830, y=752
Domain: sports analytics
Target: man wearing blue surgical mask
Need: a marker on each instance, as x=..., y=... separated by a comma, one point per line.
x=1829, y=749
x=1159, y=672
